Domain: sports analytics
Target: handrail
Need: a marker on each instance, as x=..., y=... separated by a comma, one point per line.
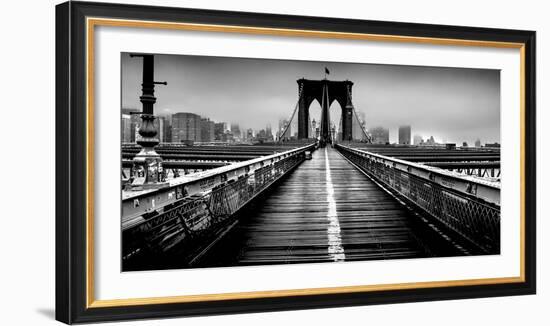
x=138, y=202
x=483, y=189
x=192, y=209
x=467, y=205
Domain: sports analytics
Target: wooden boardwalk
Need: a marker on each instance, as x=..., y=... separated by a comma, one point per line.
x=326, y=210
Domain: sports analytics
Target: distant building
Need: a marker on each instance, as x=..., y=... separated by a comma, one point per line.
x=207, y=130
x=126, y=128
x=478, y=143
x=261, y=136
x=160, y=123
x=464, y=144
x=220, y=129
x=380, y=135
x=236, y=131
x=249, y=134
x=417, y=140
x=186, y=127
x=430, y=141
x=167, y=130
x=492, y=145
x=268, y=133
x=135, y=122
x=404, y=135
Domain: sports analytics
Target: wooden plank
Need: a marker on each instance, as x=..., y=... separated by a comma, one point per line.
x=298, y=223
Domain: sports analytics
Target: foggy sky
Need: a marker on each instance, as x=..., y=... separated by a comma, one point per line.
x=452, y=104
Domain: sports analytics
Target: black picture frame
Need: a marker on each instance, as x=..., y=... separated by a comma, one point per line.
x=72, y=299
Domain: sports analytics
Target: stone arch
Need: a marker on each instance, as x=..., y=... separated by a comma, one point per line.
x=339, y=91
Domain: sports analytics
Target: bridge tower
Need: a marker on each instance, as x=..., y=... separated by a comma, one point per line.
x=147, y=169
x=347, y=117
x=325, y=92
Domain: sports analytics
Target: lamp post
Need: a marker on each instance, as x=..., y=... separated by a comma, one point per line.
x=147, y=169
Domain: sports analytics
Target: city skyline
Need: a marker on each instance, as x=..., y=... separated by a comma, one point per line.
x=163, y=124
x=266, y=90
x=186, y=126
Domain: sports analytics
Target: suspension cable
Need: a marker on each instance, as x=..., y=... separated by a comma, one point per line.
x=292, y=116
x=367, y=136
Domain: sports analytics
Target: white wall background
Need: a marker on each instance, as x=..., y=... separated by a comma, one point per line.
x=27, y=227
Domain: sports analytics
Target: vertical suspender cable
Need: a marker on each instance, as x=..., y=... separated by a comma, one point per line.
x=326, y=100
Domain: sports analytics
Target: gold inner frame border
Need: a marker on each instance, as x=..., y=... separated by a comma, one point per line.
x=92, y=22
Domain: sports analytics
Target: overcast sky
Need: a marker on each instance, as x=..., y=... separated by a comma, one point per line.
x=452, y=104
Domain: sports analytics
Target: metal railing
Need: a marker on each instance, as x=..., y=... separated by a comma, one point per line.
x=194, y=206
x=467, y=205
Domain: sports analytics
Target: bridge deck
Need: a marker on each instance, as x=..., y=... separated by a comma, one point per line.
x=326, y=210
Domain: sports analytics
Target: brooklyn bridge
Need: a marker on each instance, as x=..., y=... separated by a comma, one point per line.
x=318, y=198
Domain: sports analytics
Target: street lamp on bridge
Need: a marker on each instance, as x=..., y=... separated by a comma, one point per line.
x=147, y=169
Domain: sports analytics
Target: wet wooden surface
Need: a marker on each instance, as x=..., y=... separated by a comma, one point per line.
x=325, y=210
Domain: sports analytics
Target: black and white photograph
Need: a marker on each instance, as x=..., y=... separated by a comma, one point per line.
x=254, y=162
x=229, y=162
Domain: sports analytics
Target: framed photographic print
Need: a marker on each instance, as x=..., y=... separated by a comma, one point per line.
x=213, y=162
